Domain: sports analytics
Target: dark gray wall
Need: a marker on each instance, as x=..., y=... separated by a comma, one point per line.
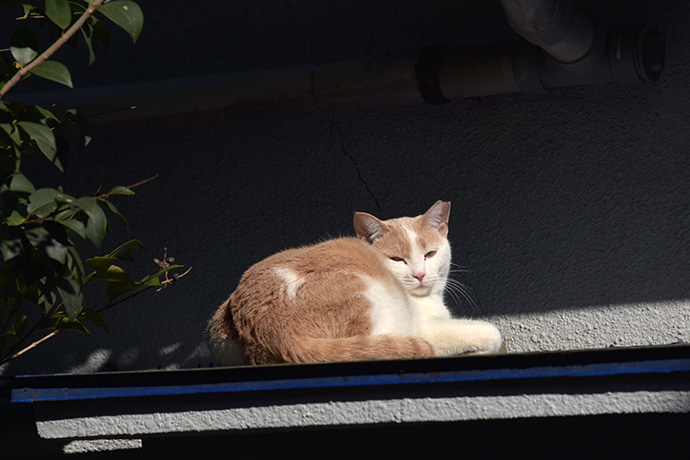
x=570, y=209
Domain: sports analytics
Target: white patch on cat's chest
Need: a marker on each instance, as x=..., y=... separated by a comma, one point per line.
x=292, y=281
x=431, y=307
x=391, y=311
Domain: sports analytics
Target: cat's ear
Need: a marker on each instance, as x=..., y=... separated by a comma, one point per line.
x=368, y=227
x=437, y=217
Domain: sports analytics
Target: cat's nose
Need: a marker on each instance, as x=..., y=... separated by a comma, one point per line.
x=419, y=276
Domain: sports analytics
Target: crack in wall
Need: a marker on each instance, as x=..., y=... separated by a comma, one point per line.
x=334, y=126
x=378, y=38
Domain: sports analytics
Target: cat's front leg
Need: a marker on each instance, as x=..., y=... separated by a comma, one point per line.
x=461, y=336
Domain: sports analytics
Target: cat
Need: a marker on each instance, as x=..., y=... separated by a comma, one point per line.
x=376, y=296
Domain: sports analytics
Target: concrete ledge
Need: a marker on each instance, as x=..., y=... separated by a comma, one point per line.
x=343, y=413
x=118, y=410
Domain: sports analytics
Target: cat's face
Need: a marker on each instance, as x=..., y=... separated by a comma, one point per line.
x=415, y=249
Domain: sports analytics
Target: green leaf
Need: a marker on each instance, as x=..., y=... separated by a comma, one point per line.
x=123, y=252
x=9, y=135
x=44, y=138
x=43, y=113
x=21, y=184
x=74, y=225
x=24, y=45
x=154, y=280
x=37, y=236
x=47, y=301
x=11, y=247
x=95, y=317
x=121, y=190
x=15, y=219
x=58, y=243
x=101, y=32
x=5, y=110
x=59, y=12
x=74, y=258
x=76, y=326
x=42, y=202
x=117, y=289
x=96, y=226
x=56, y=251
x=126, y=14
x=114, y=274
x=97, y=223
x=87, y=33
x=19, y=324
x=27, y=8
x=71, y=295
x=111, y=207
x=84, y=204
x=51, y=239
x=54, y=71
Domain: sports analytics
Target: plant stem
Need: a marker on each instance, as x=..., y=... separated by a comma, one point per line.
x=35, y=344
x=142, y=182
x=103, y=195
x=53, y=48
x=26, y=335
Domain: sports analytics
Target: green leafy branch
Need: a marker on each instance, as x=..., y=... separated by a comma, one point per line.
x=41, y=265
x=60, y=14
x=24, y=44
x=120, y=288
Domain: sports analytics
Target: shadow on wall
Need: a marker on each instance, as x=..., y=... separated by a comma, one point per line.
x=563, y=229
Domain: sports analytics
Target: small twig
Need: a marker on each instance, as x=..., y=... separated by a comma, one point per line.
x=104, y=195
x=27, y=335
x=172, y=280
x=53, y=48
x=33, y=345
x=108, y=112
x=142, y=182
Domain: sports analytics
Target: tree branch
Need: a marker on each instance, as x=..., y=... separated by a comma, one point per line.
x=53, y=48
x=33, y=345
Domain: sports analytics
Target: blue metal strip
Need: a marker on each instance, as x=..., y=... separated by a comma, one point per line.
x=28, y=395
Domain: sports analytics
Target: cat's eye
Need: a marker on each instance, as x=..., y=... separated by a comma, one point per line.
x=429, y=254
x=397, y=259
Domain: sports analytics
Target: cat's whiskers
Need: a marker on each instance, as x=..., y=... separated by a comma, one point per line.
x=452, y=294
x=454, y=287
x=459, y=268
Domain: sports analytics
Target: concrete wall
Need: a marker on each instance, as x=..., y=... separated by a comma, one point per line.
x=570, y=209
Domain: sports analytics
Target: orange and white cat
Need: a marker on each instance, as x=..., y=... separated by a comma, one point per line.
x=378, y=296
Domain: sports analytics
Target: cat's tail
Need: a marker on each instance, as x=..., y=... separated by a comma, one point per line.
x=223, y=339
x=358, y=348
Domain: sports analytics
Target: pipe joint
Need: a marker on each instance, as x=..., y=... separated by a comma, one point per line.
x=636, y=54
x=556, y=26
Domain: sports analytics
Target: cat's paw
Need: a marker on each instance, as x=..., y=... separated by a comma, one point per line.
x=487, y=338
x=462, y=336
